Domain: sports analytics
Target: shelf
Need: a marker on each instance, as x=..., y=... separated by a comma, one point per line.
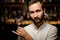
x=12, y=4
x=53, y=22
x=23, y=4
x=51, y=4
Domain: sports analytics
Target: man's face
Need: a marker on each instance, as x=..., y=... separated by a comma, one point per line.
x=36, y=12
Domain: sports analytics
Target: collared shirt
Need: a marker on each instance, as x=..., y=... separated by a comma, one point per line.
x=44, y=32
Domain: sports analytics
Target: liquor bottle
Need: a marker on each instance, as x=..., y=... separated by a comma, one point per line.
x=12, y=0
x=7, y=0
x=50, y=0
x=23, y=1
x=44, y=0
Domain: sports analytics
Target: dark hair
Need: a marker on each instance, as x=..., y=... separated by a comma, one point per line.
x=35, y=1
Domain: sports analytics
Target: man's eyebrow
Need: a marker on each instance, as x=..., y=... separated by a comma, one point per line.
x=38, y=10
x=31, y=11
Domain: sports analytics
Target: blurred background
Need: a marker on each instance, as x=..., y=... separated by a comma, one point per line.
x=13, y=13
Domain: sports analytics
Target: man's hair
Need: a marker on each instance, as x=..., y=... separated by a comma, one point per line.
x=35, y=1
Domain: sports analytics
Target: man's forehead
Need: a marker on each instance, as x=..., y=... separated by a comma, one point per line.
x=35, y=6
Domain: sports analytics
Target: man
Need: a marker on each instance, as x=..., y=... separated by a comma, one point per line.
x=38, y=30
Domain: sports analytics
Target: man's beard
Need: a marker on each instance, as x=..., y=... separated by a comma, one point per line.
x=38, y=20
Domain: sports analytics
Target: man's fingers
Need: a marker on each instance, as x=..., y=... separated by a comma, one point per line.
x=15, y=32
x=19, y=28
x=19, y=31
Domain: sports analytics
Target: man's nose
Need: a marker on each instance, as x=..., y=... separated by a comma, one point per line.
x=35, y=14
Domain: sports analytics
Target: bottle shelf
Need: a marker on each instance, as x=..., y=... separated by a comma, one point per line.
x=46, y=4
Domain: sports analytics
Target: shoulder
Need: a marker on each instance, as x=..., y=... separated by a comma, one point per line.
x=52, y=32
x=51, y=26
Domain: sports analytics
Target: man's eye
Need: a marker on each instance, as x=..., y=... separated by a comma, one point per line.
x=38, y=10
x=31, y=12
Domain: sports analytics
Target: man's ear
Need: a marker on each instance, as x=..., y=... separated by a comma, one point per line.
x=45, y=14
x=44, y=10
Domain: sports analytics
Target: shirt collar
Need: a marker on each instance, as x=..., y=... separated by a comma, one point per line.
x=41, y=27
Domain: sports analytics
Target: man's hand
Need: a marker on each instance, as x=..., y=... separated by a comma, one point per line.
x=21, y=32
